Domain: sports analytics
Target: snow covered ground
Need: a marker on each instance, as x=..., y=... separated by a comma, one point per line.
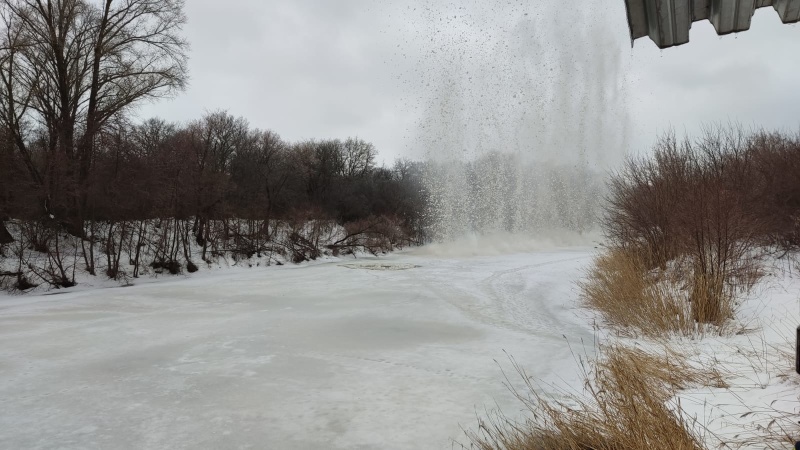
x=391, y=353
x=760, y=407
x=396, y=352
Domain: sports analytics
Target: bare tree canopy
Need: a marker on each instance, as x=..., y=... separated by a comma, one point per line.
x=359, y=157
x=68, y=67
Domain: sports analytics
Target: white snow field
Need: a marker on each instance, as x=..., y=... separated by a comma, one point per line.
x=391, y=353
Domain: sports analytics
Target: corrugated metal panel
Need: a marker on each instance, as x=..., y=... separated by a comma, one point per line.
x=667, y=22
x=789, y=10
x=700, y=10
x=637, y=19
x=731, y=16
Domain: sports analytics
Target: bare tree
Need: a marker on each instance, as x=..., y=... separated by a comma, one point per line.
x=358, y=157
x=215, y=140
x=260, y=173
x=71, y=66
x=324, y=163
x=217, y=137
x=150, y=136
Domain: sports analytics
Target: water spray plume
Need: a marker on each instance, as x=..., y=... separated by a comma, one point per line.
x=524, y=111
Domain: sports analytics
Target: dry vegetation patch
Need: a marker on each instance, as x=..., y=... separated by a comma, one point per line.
x=687, y=228
x=634, y=299
x=628, y=405
x=683, y=298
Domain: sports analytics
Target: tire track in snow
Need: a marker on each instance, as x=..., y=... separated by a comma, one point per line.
x=527, y=307
x=498, y=306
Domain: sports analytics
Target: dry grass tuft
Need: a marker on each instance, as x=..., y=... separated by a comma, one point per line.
x=635, y=299
x=628, y=407
x=667, y=368
x=684, y=298
x=711, y=300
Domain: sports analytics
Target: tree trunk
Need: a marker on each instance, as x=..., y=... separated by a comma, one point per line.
x=5, y=235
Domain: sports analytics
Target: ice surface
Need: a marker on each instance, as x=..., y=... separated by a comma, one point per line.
x=292, y=357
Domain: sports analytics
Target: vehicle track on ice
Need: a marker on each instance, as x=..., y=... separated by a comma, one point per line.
x=519, y=299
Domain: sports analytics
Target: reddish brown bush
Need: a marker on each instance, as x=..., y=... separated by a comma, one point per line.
x=644, y=198
x=712, y=201
x=776, y=192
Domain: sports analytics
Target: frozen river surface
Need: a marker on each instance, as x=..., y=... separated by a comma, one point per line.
x=353, y=354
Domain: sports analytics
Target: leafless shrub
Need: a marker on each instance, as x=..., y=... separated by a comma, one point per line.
x=374, y=235
x=304, y=234
x=694, y=199
x=15, y=282
x=644, y=197
x=45, y=252
x=776, y=191
x=719, y=232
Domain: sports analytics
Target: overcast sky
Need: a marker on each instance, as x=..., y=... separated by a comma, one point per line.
x=409, y=73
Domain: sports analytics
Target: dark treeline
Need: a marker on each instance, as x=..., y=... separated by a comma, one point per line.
x=214, y=168
x=165, y=196
x=78, y=177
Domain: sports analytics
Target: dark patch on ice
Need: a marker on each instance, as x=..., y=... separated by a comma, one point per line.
x=381, y=266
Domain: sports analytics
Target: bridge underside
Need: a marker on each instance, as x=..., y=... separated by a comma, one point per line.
x=667, y=22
